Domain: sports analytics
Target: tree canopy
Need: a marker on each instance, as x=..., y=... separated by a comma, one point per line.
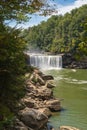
x=12, y=47
x=12, y=44
x=61, y=34
x=19, y=9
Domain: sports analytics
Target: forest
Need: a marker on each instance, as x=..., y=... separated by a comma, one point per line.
x=12, y=58
x=61, y=34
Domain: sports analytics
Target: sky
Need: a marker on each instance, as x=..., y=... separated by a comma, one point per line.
x=62, y=7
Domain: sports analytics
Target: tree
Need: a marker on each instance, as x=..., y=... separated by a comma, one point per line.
x=61, y=33
x=12, y=44
x=19, y=9
x=82, y=47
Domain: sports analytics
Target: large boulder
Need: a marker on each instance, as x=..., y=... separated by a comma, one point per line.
x=40, y=92
x=53, y=104
x=40, y=80
x=33, y=118
x=44, y=93
x=30, y=86
x=18, y=125
x=36, y=78
x=68, y=128
x=46, y=111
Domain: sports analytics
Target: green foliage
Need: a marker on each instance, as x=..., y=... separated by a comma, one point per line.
x=19, y=9
x=60, y=34
x=6, y=116
x=11, y=56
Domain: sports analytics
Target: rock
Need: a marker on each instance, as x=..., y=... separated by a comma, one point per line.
x=18, y=125
x=69, y=61
x=28, y=102
x=36, y=78
x=30, y=86
x=38, y=72
x=49, y=84
x=47, y=77
x=45, y=93
x=46, y=111
x=50, y=126
x=27, y=75
x=33, y=118
x=40, y=80
x=68, y=128
x=20, y=128
x=32, y=102
x=53, y=105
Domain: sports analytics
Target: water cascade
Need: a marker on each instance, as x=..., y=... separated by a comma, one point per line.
x=46, y=61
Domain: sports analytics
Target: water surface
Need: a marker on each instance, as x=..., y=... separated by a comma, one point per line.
x=71, y=85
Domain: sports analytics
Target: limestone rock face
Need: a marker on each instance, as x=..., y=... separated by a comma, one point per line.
x=68, y=128
x=33, y=118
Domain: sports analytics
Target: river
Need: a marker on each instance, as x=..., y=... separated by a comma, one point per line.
x=71, y=85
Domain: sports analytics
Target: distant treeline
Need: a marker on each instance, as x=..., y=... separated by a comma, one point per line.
x=61, y=34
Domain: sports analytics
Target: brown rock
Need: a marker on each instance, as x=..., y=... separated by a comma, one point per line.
x=38, y=72
x=68, y=128
x=53, y=105
x=47, y=77
x=29, y=102
x=40, y=80
x=33, y=118
x=44, y=93
x=49, y=84
x=18, y=125
x=46, y=111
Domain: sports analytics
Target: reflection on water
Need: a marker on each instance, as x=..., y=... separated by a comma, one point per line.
x=71, y=85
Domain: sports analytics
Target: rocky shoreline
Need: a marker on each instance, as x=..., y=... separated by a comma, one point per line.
x=38, y=104
x=69, y=61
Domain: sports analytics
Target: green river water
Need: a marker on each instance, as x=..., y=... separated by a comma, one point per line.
x=71, y=85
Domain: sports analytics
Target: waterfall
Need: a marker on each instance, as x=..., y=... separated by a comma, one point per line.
x=46, y=61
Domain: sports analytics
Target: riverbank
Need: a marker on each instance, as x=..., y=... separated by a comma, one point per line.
x=37, y=105
x=69, y=61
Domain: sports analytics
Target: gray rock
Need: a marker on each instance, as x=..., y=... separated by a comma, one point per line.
x=33, y=118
